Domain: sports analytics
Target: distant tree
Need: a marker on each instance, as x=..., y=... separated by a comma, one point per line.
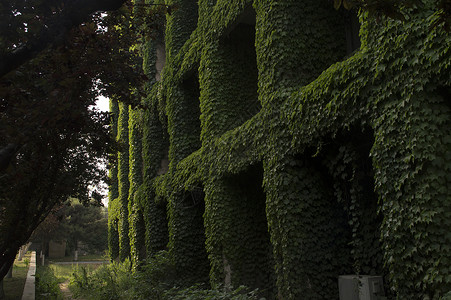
x=49, y=229
x=75, y=223
x=88, y=225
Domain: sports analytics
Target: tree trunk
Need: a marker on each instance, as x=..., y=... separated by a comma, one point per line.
x=7, y=261
x=2, y=292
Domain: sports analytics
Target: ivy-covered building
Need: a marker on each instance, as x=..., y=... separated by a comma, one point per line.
x=285, y=143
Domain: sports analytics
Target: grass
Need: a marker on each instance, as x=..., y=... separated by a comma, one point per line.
x=64, y=272
x=14, y=286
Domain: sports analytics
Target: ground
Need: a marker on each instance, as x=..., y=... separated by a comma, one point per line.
x=14, y=286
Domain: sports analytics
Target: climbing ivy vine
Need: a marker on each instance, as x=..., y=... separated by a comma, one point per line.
x=123, y=180
x=272, y=158
x=113, y=188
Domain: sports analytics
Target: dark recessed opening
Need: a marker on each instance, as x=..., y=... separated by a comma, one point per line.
x=189, y=116
x=253, y=263
x=352, y=28
x=339, y=217
x=238, y=48
x=350, y=171
x=192, y=240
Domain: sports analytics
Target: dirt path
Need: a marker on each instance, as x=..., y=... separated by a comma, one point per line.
x=64, y=287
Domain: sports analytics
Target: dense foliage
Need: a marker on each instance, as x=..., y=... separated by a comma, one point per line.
x=156, y=280
x=294, y=159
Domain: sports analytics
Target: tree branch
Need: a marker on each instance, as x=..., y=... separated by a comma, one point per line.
x=54, y=33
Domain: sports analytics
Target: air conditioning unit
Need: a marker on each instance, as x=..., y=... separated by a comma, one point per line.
x=361, y=287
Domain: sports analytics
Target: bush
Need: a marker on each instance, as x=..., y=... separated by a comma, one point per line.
x=117, y=281
x=155, y=280
x=107, y=282
x=47, y=284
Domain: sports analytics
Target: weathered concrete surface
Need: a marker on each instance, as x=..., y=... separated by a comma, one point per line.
x=29, y=288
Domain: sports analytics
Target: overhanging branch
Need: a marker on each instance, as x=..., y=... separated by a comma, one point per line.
x=72, y=15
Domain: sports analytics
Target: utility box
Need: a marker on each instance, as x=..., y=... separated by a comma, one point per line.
x=361, y=287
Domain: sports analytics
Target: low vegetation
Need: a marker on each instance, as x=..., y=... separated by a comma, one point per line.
x=14, y=286
x=154, y=280
x=51, y=276
x=47, y=284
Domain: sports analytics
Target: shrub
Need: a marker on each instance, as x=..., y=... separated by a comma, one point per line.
x=47, y=284
x=107, y=282
x=155, y=279
x=117, y=281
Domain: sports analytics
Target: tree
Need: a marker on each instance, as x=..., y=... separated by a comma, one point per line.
x=52, y=142
x=60, y=144
x=87, y=225
x=49, y=229
x=75, y=223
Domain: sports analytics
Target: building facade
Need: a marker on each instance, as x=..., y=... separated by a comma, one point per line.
x=285, y=143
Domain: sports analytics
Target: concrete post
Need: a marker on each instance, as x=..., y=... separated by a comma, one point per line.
x=20, y=254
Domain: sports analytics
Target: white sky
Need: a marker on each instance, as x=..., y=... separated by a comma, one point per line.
x=103, y=103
